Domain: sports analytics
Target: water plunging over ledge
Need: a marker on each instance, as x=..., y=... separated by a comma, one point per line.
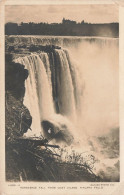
x=74, y=88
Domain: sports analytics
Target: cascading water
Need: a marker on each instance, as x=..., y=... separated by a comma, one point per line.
x=79, y=97
x=38, y=96
x=64, y=85
x=50, y=91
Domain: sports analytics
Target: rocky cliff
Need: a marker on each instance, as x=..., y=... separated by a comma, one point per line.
x=18, y=118
x=27, y=162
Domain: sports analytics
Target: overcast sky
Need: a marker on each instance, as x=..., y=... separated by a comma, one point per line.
x=55, y=13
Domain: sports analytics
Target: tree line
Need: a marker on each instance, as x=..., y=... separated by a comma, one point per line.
x=65, y=28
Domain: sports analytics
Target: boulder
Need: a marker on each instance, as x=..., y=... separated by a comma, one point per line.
x=59, y=132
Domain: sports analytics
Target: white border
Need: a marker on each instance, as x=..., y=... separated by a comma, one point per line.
x=117, y=188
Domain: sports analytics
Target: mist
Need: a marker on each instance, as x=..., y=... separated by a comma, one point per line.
x=97, y=63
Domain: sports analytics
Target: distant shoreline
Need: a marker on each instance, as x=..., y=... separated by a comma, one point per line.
x=66, y=28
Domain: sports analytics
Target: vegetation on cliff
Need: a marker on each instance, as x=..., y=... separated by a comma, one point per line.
x=26, y=160
x=18, y=118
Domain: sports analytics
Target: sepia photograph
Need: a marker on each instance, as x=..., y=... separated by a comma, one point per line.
x=62, y=93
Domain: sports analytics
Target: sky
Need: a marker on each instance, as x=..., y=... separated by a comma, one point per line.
x=55, y=13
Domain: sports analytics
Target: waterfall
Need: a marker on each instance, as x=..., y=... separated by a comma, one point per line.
x=50, y=87
x=79, y=97
x=38, y=96
x=31, y=98
x=64, y=85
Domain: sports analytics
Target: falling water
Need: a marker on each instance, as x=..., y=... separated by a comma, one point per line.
x=65, y=88
x=49, y=90
x=38, y=97
x=76, y=84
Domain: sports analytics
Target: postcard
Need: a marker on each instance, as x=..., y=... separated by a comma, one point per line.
x=62, y=97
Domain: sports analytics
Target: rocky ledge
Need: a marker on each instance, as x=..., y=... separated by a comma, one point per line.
x=18, y=118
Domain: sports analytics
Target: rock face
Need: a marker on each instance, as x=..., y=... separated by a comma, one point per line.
x=16, y=75
x=24, y=163
x=18, y=118
x=59, y=132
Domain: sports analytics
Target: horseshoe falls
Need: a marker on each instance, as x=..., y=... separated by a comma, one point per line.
x=51, y=91
x=73, y=88
x=72, y=79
